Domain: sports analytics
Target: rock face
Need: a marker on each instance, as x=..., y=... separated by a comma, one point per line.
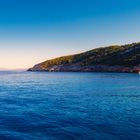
x=124, y=58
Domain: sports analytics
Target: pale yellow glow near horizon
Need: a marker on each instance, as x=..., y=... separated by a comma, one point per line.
x=23, y=55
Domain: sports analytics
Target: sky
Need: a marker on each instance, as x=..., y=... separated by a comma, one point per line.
x=32, y=31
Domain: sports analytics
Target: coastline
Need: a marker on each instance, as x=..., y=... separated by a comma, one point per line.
x=94, y=68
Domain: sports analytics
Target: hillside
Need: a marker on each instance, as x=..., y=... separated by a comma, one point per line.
x=125, y=58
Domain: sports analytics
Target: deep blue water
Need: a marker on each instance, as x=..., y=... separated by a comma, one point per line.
x=69, y=106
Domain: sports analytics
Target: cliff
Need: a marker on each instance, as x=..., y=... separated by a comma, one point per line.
x=125, y=58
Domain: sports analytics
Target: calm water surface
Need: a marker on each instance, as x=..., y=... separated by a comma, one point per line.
x=69, y=106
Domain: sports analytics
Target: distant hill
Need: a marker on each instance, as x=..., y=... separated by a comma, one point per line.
x=124, y=58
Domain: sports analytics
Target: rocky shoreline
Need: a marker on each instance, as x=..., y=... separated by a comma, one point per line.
x=94, y=68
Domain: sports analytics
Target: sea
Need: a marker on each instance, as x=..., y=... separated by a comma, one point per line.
x=69, y=106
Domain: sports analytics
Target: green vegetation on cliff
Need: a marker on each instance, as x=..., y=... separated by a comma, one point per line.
x=125, y=55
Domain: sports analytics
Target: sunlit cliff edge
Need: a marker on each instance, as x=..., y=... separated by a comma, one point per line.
x=124, y=58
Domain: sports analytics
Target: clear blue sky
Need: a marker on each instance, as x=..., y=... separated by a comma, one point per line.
x=32, y=31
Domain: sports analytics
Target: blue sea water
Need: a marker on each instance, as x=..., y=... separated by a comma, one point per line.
x=69, y=106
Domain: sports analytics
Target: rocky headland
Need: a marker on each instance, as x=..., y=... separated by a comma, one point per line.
x=125, y=58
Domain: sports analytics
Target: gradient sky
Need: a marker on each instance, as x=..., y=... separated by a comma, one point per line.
x=32, y=31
